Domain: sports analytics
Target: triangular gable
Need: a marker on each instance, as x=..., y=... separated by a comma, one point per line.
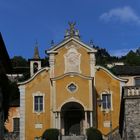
x=54, y=49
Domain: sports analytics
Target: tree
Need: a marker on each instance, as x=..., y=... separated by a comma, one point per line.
x=93, y=134
x=132, y=59
x=51, y=134
x=19, y=61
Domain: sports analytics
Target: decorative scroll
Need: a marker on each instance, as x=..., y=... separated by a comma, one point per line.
x=72, y=60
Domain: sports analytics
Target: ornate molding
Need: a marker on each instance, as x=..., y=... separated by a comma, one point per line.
x=72, y=60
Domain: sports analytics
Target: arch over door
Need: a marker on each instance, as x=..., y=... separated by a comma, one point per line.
x=72, y=117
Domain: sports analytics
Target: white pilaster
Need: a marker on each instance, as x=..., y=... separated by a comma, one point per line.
x=91, y=119
x=59, y=121
x=90, y=94
x=22, y=112
x=52, y=63
x=92, y=64
x=85, y=126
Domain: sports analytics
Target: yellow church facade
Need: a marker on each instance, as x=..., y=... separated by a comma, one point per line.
x=72, y=94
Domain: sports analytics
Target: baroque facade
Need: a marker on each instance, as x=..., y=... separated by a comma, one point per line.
x=72, y=94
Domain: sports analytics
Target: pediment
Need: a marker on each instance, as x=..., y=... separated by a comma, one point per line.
x=74, y=41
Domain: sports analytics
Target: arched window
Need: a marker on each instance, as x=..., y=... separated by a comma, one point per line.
x=35, y=67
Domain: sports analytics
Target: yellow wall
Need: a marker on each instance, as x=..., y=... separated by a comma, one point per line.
x=105, y=82
x=40, y=83
x=82, y=93
x=59, y=59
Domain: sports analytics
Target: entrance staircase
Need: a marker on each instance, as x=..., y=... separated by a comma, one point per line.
x=73, y=137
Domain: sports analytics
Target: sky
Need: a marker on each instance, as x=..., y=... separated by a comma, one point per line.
x=111, y=24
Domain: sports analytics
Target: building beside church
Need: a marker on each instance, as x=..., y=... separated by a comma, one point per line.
x=72, y=94
x=5, y=67
x=130, y=102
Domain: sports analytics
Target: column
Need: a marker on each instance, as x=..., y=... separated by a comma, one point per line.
x=59, y=121
x=91, y=119
x=85, y=124
x=56, y=125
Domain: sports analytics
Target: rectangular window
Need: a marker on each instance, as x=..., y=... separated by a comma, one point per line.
x=137, y=81
x=106, y=101
x=16, y=124
x=38, y=103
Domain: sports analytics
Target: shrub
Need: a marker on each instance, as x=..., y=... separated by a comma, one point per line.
x=51, y=134
x=93, y=134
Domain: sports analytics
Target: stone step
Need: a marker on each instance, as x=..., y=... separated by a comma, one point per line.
x=72, y=138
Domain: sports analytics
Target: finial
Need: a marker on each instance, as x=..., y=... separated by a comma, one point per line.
x=91, y=43
x=72, y=28
x=52, y=43
x=72, y=32
x=36, y=52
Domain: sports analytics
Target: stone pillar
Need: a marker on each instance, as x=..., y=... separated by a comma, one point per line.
x=85, y=124
x=56, y=120
x=91, y=119
x=22, y=112
x=59, y=121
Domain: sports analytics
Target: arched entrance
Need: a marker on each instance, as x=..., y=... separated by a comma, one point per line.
x=72, y=117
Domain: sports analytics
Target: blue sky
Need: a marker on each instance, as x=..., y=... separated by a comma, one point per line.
x=111, y=24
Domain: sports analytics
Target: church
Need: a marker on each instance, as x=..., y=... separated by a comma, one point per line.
x=72, y=94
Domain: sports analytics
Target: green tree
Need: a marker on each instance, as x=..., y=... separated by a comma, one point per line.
x=93, y=134
x=19, y=61
x=132, y=59
x=51, y=134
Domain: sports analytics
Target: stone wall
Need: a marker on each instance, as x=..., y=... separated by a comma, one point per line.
x=132, y=114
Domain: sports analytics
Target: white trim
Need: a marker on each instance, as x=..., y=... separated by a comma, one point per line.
x=29, y=80
x=72, y=74
x=38, y=93
x=32, y=62
x=111, y=95
x=74, y=56
x=52, y=64
x=115, y=77
x=54, y=101
x=52, y=50
x=22, y=112
x=72, y=99
x=13, y=123
x=92, y=64
x=90, y=94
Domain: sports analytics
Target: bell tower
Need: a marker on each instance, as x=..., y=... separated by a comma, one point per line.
x=35, y=62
